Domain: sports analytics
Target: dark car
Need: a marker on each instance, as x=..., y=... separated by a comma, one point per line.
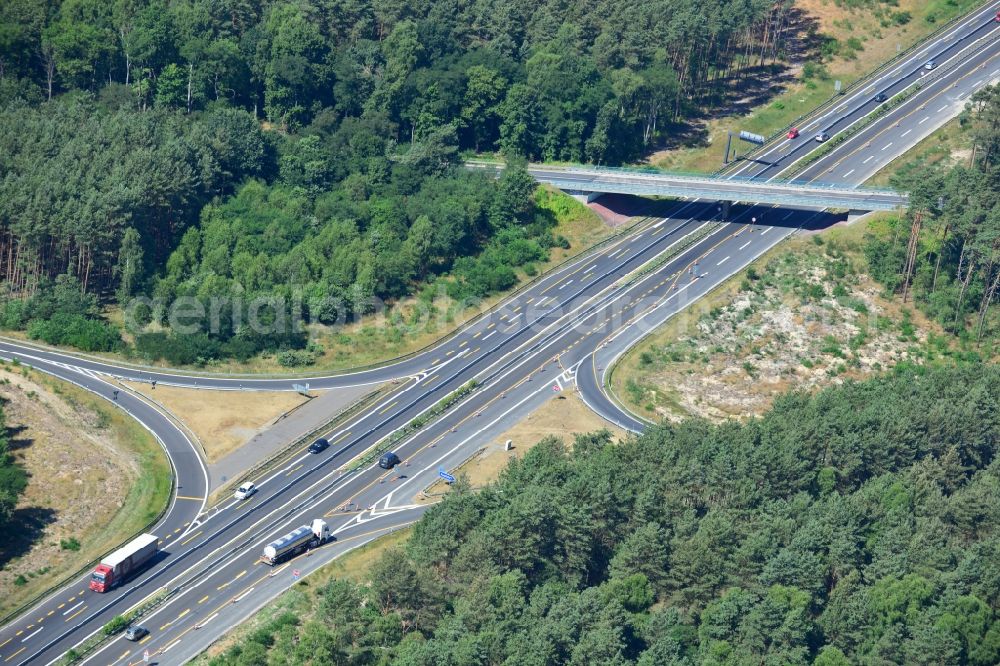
x=881, y=97
x=388, y=460
x=319, y=445
x=135, y=632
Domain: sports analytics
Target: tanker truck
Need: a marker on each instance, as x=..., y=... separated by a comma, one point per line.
x=297, y=541
x=119, y=565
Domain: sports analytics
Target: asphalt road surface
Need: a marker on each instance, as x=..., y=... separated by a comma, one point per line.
x=524, y=352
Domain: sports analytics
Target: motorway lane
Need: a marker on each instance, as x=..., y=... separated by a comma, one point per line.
x=64, y=607
x=429, y=375
x=947, y=49
x=406, y=367
x=382, y=496
x=508, y=327
x=851, y=163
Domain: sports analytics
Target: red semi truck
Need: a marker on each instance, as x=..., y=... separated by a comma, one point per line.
x=116, y=567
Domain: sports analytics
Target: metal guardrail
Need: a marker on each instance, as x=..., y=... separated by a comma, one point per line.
x=851, y=87
x=196, y=374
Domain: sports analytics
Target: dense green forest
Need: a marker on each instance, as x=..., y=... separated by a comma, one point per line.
x=308, y=150
x=944, y=254
x=13, y=478
x=857, y=525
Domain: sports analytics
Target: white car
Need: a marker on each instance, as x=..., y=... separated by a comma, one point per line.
x=929, y=65
x=245, y=491
x=822, y=136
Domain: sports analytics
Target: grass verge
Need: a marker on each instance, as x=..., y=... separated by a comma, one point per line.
x=857, y=41
x=84, y=457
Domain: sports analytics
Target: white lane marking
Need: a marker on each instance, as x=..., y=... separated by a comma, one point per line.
x=248, y=591
x=790, y=213
x=67, y=612
x=744, y=245
x=842, y=106
x=942, y=108
x=489, y=335
x=977, y=83
x=848, y=173
x=31, y=634
x=655, y=226
x=763, y=232
x=207, y=620
x=868, y=159
x=587, y=270
x=886, y=146
x=566, y=284
x=723, y=261
x=923, y=120
x=906, y=132
x=164, y=650
x=868, y=88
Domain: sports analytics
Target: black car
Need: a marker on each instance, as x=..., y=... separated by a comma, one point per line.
x=881, y=97
x=318, y=445
x=388, y=460
x=135, y=632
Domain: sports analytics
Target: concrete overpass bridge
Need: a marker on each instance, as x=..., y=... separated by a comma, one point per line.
x=599, y=180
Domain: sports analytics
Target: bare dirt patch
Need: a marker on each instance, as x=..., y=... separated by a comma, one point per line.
x=222, y=420
x=95, y=476
x=564, y=417
x=803, y=316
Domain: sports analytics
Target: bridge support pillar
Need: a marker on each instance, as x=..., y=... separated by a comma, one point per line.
x=726, y=205
x=584, y=197
x=855, y=215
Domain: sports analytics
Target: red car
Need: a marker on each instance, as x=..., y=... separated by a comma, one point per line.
x=998, y=17
x=793, y=133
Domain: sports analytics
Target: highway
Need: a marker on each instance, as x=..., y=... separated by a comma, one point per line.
x=526, y=351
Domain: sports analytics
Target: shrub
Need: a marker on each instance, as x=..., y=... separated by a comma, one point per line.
x=69, y=544
x=116, y=625
x=20, y=580
x=293, y=358
x=77, y=331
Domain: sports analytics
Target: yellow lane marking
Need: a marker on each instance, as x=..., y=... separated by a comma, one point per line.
x=191, y=538
x=60, y=605
x=432, y=379
x=295, y=469
x=450, y=353
x=76, y=613
x=124, y=654
x=389, y=407
x=491, y=325
x=474, y=351
x=477, y=334
x=203, y=599
x=435, y=361
x=5, y=642
x=464, y=342
x=177, y=530
x=344, y=436
x=517, y=309
x=19, y=632
x=148, y=636
x=14, y=655
x=530, y=299
x=187, y=497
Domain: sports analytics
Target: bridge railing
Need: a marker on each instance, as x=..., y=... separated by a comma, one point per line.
x=653, y=172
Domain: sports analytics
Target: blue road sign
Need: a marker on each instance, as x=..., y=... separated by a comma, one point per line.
x=445, y=475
